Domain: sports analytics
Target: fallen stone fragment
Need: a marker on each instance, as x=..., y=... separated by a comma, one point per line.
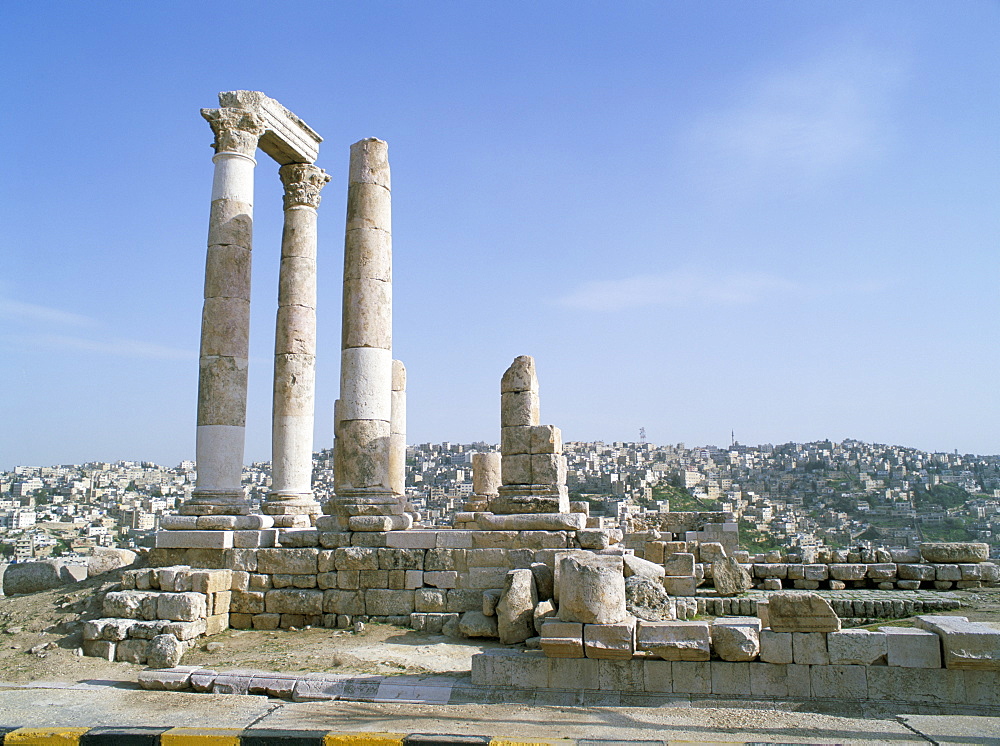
x=730, y=577
x=801, y=612
x=647, y=599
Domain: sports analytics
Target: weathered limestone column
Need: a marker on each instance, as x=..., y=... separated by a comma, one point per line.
x=485, y=481
x=291, y=497
x=225, y=327
x=365, y=500
x=397, y=430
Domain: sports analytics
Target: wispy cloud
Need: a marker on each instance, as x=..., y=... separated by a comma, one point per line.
x=19, y=311
x=112, y=346
x=794, y=127
x=36, y=326
x=693, y=288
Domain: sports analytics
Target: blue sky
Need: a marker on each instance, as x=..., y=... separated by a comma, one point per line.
x=773, y=218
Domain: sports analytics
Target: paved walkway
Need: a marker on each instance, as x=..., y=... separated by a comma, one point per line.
x=85, y=705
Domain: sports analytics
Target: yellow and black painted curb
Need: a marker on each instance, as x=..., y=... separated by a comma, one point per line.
x=110, y=736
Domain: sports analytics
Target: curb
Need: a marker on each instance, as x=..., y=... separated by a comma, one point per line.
x=106, y=736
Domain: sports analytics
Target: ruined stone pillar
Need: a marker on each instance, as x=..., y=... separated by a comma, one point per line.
x=365, y=500
x=225, y=326
x=397, y=430
x=533, y=467
x=291, y=496
x=485, y=481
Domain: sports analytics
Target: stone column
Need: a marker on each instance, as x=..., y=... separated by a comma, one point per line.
x=225, y=325
x=291, y=496
x=365, y=500
x=397, y=431
x=532, y=468
x=485, y=481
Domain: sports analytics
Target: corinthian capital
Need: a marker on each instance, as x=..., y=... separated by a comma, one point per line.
x=236, y=130
x=302, y=182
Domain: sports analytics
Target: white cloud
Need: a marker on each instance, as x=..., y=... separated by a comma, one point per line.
x=794, y=127
x=113, y=346
x=18, y=311
x=692, y=288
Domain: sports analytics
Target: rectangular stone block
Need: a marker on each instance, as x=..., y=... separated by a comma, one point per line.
x=454, y=539
x=528, y=669
x=674, y=641
x=768, y=680
x=350, y=603
x=882, y=571
x=460, y=600
x=548, y=468
x=181, y=607
x=441, y=579
x=815, y=572
x=947, y=572
x=253, y=539
x=546, y=439
x=610, y=641
x=730, y=678
x=839, y=682
x=401, y=559
x=915, y=572
x=932, y=685
x=680, y=586
x=809, y=648
x=562, y=639
x=194, y=539
x=678, y=563
x=210, y=581
x=573, y=673
x=966, y=645
x=420, y=539
x=248, y=602
x=515, y=440
x=432, y=600
x=349, y=580
x=982, y=688
x=300, y=561
x=379, y=602
x=912, y=648
x=293, y=601
x=691, y=677
x=374, y=579
x=857, y=647
x=620, y=675
x=516, y=469
x=483, y=577
x=356, y=558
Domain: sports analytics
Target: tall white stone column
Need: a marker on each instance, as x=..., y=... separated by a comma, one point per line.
x=225, y=328
x=291, y=498
x=365, y=500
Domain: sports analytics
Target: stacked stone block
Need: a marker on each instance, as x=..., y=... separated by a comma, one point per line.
x=176, y=602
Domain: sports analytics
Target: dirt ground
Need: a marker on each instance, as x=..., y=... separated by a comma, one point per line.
x=41, y=638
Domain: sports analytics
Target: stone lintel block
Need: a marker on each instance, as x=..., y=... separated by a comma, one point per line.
x=515, y=441
x=908, y=647
x=809, y=648
x=286, y=138
x=610, y=641
x=194, y=539
x=675, y=641
x=519, y=408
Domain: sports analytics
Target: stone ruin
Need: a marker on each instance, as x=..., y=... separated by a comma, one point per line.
x=597, y=608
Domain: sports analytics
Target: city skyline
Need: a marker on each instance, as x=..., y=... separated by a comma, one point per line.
x=779, y=221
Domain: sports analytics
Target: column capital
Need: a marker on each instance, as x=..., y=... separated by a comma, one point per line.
x=236, y=130
x=303, y=183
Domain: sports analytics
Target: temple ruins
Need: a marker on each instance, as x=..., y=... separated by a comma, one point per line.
x=663, y=607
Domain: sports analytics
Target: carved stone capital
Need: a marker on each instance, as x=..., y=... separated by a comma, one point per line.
x=303, y=183
x=236, y=130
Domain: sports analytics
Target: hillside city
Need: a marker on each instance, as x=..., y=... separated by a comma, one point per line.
x=792, y=495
